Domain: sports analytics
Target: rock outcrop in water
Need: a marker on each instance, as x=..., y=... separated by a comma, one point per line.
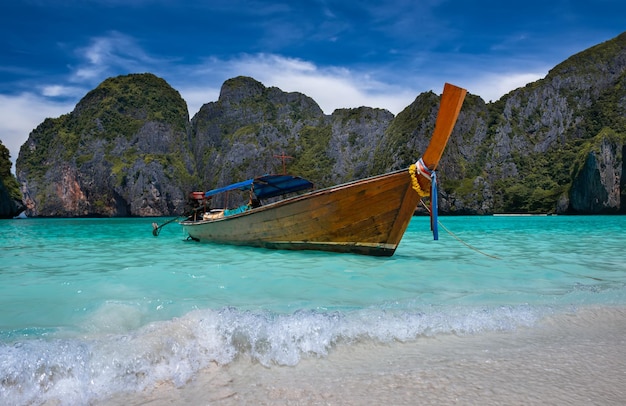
x=129, y=148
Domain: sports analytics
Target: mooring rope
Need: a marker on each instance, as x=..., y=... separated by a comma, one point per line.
x=468, y=245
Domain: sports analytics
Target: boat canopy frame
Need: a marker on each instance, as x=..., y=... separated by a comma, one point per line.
x=266, y=186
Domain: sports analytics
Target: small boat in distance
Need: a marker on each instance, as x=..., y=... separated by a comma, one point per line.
x=367, y=216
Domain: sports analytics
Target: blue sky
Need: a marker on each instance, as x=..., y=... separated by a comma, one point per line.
x=342, y=53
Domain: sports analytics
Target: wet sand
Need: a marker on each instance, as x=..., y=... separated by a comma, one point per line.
x=574, y=359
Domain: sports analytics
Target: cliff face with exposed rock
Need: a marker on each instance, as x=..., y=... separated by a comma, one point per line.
x=129, y=148
x=123, y=151
x=599, y=185
x=243, y=134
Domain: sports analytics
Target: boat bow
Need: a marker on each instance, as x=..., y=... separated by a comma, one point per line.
x=423, y=172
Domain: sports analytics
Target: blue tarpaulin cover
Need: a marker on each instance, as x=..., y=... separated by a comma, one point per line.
x=267, y=186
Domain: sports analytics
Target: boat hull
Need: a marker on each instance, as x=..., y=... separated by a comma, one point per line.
x=366, y=217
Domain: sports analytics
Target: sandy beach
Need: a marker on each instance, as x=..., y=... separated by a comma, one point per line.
x=575, y=359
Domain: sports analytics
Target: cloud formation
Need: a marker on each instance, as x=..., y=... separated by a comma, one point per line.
x=340, y=53
x=22, y=113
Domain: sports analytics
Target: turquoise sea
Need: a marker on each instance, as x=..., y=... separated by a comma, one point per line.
x=95, y=309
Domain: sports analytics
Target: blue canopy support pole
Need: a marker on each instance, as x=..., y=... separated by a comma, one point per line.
x=433, y=206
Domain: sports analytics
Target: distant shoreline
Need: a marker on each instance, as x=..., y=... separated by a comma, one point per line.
x=521, y=215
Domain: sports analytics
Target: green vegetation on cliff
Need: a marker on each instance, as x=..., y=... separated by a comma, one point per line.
x=311, y=160
x=118, y=107
x=539, y=136
x=6, y=177
x=400, y=148
x=121, y=103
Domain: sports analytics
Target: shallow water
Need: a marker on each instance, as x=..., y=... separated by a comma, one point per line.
x=99, y=308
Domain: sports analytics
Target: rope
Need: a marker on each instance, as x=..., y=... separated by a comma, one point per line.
x=459, y=239
x=468, y=245
x=424, y=170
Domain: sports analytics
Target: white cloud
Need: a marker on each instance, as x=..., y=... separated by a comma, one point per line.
x=330, y=87
x=62, y=91
x=340, y=91
x=492, y=86
x=195, y=96
x=338, y=87
x=21, y=114
x=107, y=55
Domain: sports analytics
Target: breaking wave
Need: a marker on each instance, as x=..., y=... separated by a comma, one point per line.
x=98, y=363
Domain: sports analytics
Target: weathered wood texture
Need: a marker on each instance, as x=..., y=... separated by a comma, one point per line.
x=368, y=216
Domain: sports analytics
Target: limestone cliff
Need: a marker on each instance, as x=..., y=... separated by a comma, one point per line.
x=522, y=153
x=236, y=137
x=536, y=133
x=243, y=134
x=123, y=151
x=128, y=148
x=598, y=185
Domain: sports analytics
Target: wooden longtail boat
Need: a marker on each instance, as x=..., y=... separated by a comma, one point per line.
x=367, y=216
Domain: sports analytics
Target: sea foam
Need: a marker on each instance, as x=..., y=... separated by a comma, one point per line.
x=95, y=364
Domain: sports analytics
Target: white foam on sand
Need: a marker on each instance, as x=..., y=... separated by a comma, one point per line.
x=574, y=359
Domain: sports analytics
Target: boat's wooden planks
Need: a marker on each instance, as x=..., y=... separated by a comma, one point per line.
x=366, y=211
